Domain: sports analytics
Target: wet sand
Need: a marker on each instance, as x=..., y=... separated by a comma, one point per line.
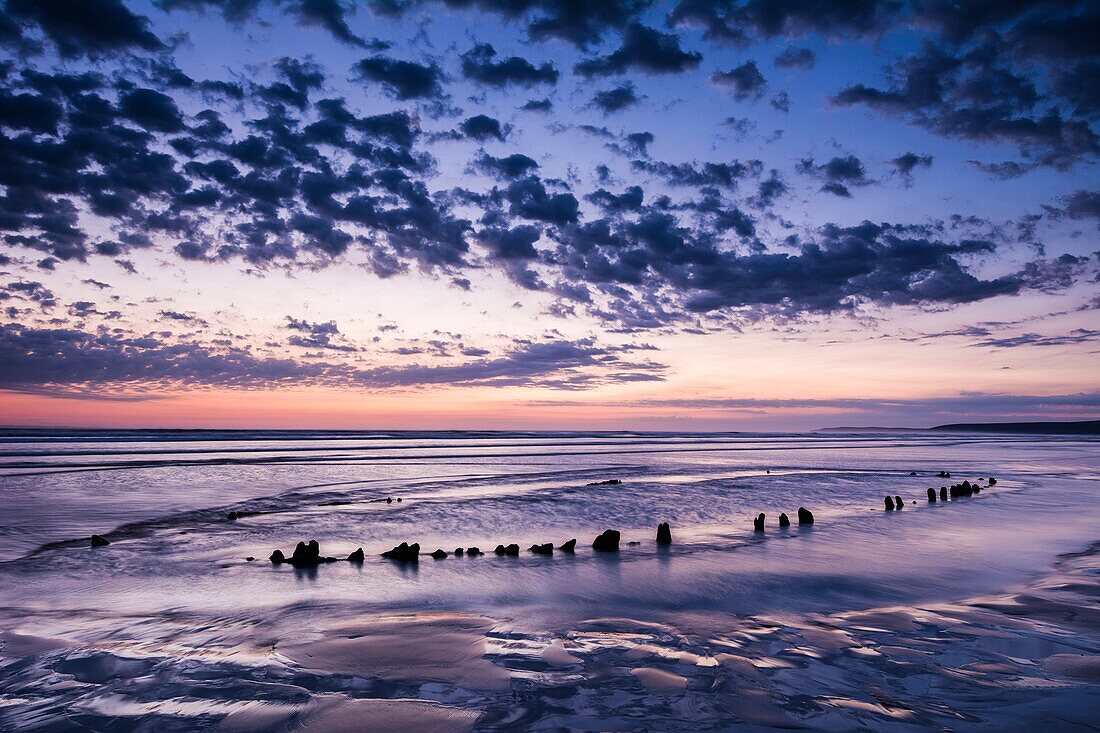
x=1024, y=660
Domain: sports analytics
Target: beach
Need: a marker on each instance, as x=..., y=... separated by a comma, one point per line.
x=974, y=613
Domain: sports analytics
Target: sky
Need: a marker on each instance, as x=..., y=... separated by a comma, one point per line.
x=523, y=214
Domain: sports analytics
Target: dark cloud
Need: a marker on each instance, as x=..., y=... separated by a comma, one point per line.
x=742, y=82
x=879, y=264
x=478, y=64
x=538, y=105
x=316, y=335
x=515, y=165
x=1076, y=336
x=1083, y=204
x=616, y=98
x=529, y=199
x=71, y=361
x=30, y=290
x=152, y=110
x=511, y=244
x=29, y=112
x=974, y=96
x=719, y=175
x=838, y=173
x=332, y=15
x=796, y=58
x=781, y=101
x=482, y=127
x=580, y=22
x=643, y=49
x=87, y=27
x=740, y=21
x=189, y=318
x=906, y=163
x=402, y=79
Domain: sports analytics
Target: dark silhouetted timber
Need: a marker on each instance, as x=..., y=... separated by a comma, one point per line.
x=898, y=503
x=607, y=542
x=277, y=557
x=356, y=556
x=569, y=546
x=992, y=481
x=543, y=549
x=758, y=523
x=389, y=500
x=805, y=516
x=439, y=554
x=664, y=534
x=98, y=541
x=511, y=550
x=889, y=501
x=931, y=496
x=912, y=473
x=459, y=552
x=943, y=492
x=943, y=474
x=473, y=551
x=308, y=554
x=608, y=482
x=784, y=521
x=404, y=552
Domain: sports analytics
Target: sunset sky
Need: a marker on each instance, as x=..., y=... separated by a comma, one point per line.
x=593, y=214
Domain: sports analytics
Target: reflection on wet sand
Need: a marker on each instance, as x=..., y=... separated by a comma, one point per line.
x=1026, y=660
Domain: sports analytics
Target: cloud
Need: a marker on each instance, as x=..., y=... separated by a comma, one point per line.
x=974, y=97
x=580, y=22
x=481, y=128
x=478, y=65
x=332, y=15
x=838, y=173
x=1083, y=204
x=316, y=335
x=740, y=21
x=1076, y=336
x=189, y=318
x=403, y=80
x=152, y=110
x=906, y=163
x=742, y=82
x=515, y=165
x=721, y=175
x=64, y=361
x=796, y=58
x=537, y=105
x=643, y=49
x=617, y=98
x=89, y=27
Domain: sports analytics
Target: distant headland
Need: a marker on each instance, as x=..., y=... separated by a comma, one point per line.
x=1080, y=427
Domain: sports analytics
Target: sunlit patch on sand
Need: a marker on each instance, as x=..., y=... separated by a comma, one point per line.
x=446, y=648
x=1081, y=666
x=334, y=714
x=13, y=644
x=659, y=680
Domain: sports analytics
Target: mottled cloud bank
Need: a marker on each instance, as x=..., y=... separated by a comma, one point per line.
x=109, y=148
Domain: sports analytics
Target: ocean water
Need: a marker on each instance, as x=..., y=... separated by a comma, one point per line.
x=171, y=627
